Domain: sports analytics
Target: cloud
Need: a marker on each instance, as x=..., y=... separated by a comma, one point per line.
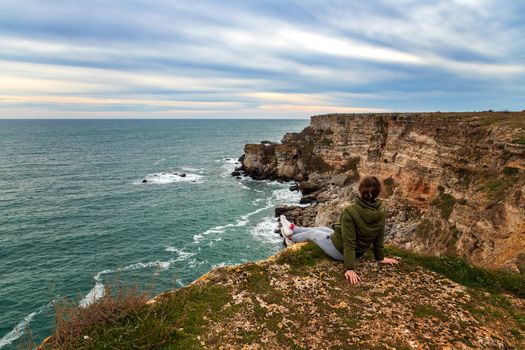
x=237, y=58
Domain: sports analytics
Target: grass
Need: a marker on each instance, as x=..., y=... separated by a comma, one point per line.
x=460, y=271
x=117, y=303
x=516, y=333
x=122, y=319
x=519, y=140
x=445, y=203
x=125, y=320
x=510, y=171
x=423, y=311
x=494, y=190
x=307, y=256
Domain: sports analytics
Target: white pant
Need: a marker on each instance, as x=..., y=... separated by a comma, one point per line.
x=320, y=236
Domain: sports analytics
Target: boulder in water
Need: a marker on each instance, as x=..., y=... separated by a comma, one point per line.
x=182, y=175
x=144, y=181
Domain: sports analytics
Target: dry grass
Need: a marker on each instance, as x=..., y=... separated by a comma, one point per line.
x=72, y=321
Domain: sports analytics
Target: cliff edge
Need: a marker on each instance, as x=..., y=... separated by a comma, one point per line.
x=454, y=183
x=298, y=299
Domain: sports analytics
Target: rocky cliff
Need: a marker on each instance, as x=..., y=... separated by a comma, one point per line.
x=454, y=183
x=299, y=299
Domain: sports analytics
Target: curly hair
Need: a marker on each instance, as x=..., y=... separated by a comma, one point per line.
x=369, y=188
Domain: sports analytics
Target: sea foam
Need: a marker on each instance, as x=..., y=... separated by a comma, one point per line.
x=264, y=231
x=20, y=328
x=168, y=178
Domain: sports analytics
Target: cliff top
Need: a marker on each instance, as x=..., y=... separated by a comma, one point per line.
x=298, y=299
x=485, y=118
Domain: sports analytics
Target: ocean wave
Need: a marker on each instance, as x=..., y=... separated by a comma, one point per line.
x=285, y=196
x=243, y=221
x=192, y=169
x=98, y=290
x=264, y=231
x=229, y=160
x=163, y=159
x=20, y=328
x=168, y=178
x=278, y=197
x=182, y=254
x=228, y=166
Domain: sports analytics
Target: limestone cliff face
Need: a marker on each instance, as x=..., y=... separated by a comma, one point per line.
x=453, y=182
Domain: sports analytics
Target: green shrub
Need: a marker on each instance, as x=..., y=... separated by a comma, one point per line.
x=460, y=271
x=445, y=203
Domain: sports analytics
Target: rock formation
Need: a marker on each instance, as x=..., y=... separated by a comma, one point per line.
x=454, y=183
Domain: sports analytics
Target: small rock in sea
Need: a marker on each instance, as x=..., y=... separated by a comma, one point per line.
x=236, y=173
x=182, y=175
x=294, y=187
x=155, y=175
x=144, y=181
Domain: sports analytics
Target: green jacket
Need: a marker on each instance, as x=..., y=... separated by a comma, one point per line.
x=361, y=224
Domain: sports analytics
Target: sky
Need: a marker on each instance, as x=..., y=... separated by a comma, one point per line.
x=258, y=59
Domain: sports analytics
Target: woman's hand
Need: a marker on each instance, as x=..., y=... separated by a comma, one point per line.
x=388, y=261
x=352, y=276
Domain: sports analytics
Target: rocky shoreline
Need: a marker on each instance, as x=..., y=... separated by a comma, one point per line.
x=454, y=183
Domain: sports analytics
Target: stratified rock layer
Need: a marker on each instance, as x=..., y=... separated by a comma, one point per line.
x=453, y=182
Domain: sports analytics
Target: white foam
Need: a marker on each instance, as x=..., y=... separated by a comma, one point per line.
x=164, y=265
x=229, y=165
x=189, y=168
x=179, y=283
x=182, y=254
x=285, y=196
x=98, y=291
x=20, y=328
x=168, y=178
x=243, y=221
x=159, y=161
x=256, y=201
x=214, y=266
x=264, y=231
x=279, y=196
x=229, y=161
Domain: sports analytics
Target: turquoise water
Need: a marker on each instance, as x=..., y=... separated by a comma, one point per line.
x=75, y=214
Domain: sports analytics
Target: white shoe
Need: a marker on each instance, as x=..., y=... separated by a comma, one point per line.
x=286, y=227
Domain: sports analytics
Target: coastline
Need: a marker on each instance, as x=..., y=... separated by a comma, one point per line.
x=322, y=193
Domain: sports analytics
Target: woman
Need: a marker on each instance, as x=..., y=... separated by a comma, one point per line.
x=361, y=225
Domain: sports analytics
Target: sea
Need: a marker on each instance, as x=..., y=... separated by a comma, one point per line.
x=76, y=213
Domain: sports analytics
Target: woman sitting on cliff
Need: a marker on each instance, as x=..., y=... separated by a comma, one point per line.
x=361, y=225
